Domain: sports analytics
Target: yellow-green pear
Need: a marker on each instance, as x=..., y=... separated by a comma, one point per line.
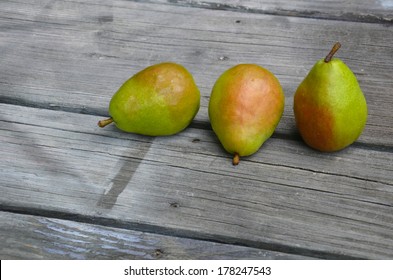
x=330, y=108
x=160, y=100
x=246, y=104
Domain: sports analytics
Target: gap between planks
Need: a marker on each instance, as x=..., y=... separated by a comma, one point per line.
x=196, y=123
x=279, y=8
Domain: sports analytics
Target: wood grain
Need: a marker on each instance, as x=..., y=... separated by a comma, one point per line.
x=362, y=10
x=129, y=196
x=331, y=206
x=34, y=237
x=73, y=55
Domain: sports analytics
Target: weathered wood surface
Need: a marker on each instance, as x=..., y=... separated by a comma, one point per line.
x=79, y=53
x=286, y=195
x=380, y=11
x=61, y=62
x=34, y=237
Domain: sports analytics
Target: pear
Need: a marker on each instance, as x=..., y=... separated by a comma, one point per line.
x=160, y=100
x=330, y=108
x=245, y=106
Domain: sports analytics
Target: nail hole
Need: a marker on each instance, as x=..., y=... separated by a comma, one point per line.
x=222, y=58
x=174, y=204
x=158, y=252
x=238, y=21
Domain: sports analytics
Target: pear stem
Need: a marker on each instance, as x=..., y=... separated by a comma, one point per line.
x=236, y=159
x=332, y=52
x=105, y=122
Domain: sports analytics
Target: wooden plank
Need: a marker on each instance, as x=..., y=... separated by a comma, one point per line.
x=362, y=10
x=284, y=198
x=34, y=237
x=73, y=55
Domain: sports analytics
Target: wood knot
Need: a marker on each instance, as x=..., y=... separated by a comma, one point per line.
x=196, y=140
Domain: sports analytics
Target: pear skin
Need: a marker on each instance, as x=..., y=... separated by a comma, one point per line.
x=245, y=106
x=160, y=100
x=330, y=108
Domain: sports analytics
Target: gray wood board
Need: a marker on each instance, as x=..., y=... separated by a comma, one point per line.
x=34, y=237
x=380, y=11
x=73, y=56
x=284, y=198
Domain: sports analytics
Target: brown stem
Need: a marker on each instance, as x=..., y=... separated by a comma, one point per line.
x=105, y=122
x=236, y=159
x=332, y=52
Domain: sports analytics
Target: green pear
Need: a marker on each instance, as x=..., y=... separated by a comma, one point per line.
x=160, y=100
x=245, y=106
x=330, y=108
